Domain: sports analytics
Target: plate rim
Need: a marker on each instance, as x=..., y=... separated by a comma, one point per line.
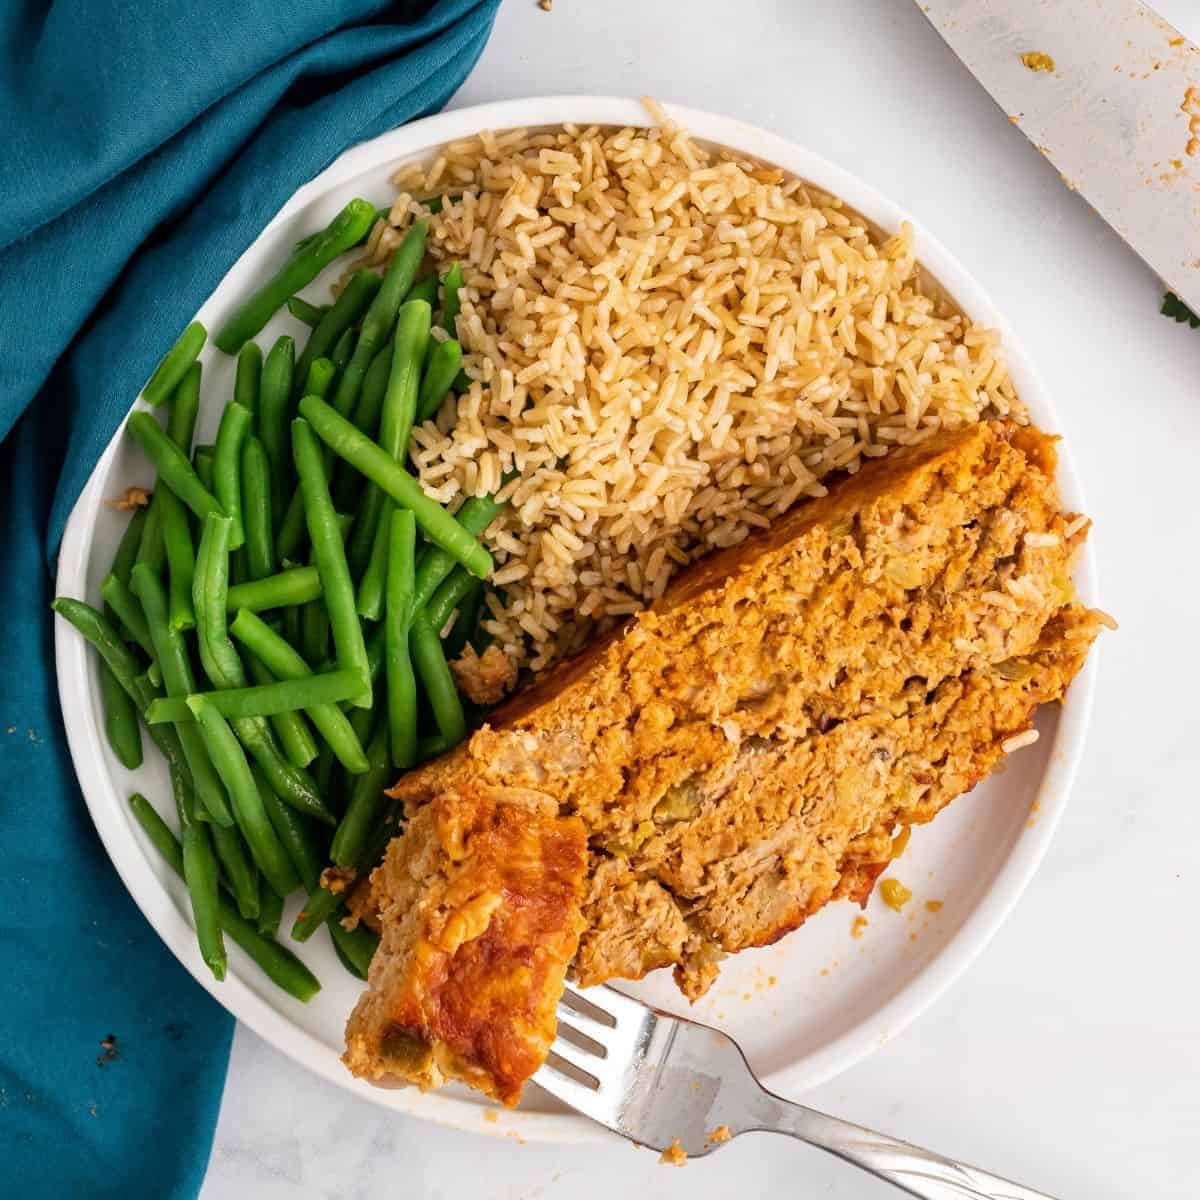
x=271, y=1022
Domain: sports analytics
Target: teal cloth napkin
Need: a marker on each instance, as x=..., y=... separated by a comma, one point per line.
x=145, y=146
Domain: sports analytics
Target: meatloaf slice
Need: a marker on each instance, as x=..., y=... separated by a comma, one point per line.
x=479, y=904
x=744, y=751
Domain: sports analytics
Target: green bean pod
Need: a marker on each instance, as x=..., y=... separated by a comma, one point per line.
x=469, y=608
x=224, y=668
x=324, y=531
x=323, y=774
x=342, y=352
x=210, y=595
x=320, y=905
x=174, y=364
x=172, y=657
x=200, y=874
x=453, y=590
x=369, y=599
x=292, y=528
x=181, y=560
x=322, y=372
x=128, y=612
x=98, y=630
x=396, y=422
x=257, y=520
x=151, y=549
x=184, y=409
x=441, y=368
x=173, y=466
x=401, y=681
x=267, y=699
x=366, y=801
x=227, y=467
x=237, y=866
x=120, y=720
x=291, y=784
x=248, y=382
x=127, y=548
x=274, y=412
x=294, y=835
x=358, y=293
x=270, y=909
x=314, y=631
x=230, y=761
x=300, y=269
x=430, y=661
x=202, y=462
x=355, y=947
x=295, y=586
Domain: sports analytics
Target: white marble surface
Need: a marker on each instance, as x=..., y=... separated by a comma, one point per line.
x=1068, y=1056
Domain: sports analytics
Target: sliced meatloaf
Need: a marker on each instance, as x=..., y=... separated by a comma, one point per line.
x=743, y=752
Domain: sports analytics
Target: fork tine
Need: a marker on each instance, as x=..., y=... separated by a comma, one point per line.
x=570, y=1074
x=587, y=1008
x=598, y=1031
x=574, y=1046
x=578, y=1037
x=617, y=1008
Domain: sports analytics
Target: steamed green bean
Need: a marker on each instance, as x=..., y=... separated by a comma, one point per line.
x=174, y=364
x=374, y=462
x=173, y=466
x=324, y=531
x=298, y=271
x=227, y=467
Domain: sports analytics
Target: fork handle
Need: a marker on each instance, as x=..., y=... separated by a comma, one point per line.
x=918, y=1172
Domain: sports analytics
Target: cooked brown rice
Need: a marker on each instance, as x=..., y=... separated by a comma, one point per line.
x=670, y=345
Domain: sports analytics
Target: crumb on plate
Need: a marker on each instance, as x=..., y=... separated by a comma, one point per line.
x=130, y=498
x=895, y=894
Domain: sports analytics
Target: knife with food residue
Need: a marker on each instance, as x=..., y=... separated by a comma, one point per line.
x=1109, y=92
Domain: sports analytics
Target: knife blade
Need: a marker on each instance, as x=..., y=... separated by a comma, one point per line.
x=1109, y=92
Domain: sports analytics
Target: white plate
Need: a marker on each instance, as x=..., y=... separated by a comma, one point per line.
x=802, y=1010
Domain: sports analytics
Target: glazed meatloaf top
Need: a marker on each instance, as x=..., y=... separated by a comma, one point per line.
x=744, y=752
x=479, y=904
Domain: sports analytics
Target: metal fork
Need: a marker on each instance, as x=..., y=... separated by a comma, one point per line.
x=660, y=1080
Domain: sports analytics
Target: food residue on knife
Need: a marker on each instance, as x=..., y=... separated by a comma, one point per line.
x=1191, y=106
x=674, y=1155
x=1035, y=60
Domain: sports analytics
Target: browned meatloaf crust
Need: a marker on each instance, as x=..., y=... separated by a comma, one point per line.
x=479, y=904
x=744, y=752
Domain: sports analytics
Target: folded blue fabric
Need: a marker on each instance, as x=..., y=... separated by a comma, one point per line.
x=144, y=148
